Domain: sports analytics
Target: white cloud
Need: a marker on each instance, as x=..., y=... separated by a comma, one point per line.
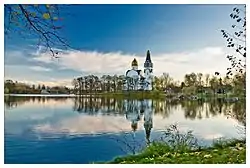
x=59, y=82
x=39, y=68
x=206, y=60
x=85, y=124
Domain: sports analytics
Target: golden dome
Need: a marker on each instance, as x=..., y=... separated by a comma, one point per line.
x=134, y=62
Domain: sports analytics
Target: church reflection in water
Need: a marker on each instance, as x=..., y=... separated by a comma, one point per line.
x=138, y=110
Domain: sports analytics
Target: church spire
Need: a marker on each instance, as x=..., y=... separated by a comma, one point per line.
x=148, y=63
x=148, y=59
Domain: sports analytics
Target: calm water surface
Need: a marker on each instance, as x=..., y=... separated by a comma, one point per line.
x=74, y=130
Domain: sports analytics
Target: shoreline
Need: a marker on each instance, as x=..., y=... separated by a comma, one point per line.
x=135, y=95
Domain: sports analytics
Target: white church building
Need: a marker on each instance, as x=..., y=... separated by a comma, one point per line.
x=135, y=79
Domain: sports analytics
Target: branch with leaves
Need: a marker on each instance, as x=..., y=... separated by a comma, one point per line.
x=42, y=22
x=237, y=41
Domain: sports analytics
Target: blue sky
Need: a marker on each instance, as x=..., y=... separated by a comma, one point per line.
x=181, y=38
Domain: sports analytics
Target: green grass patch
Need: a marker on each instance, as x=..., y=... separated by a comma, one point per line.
x=135, y=95
x=182, y=147
x=226, y=152
x=155, y=94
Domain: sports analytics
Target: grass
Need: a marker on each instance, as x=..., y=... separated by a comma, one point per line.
x=182, y=148
x=136, y=94
x=159, y=95
x=224, y=152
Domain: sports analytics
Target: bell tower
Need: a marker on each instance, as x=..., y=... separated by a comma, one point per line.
x=148, y=72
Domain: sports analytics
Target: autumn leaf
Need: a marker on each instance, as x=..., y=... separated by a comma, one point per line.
x=46, y=16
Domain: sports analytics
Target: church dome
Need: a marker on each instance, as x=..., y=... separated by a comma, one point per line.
x=134, y=62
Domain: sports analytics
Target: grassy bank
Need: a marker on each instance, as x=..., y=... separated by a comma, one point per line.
x=227, y=152
x=146, y=95
x=162, y=95
x=135, y=94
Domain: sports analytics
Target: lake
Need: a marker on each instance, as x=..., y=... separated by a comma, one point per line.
x=87, y=130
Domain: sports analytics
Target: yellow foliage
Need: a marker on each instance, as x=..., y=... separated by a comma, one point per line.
x=207, y=156
x=46, y=16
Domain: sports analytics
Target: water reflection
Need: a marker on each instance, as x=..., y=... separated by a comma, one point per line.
x=15, y=101
x=134, y=110
x=107, y=115
x=130, y=123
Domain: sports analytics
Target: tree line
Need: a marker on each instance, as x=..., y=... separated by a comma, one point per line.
x=15, y=87
x=192, y=83
x=92, y=83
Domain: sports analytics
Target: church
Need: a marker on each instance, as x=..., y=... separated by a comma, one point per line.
x=134, y=78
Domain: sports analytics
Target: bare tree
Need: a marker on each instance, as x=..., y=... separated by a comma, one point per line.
x=42, y=22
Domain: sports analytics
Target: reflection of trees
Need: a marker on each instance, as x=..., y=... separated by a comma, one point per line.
x=142, y=110
x=15, y=101
x=94, y=106
x=200, y=109
x=109, y=106
x=238, y=112
x=190, y=109
x=165, y=108
x=216, y=106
